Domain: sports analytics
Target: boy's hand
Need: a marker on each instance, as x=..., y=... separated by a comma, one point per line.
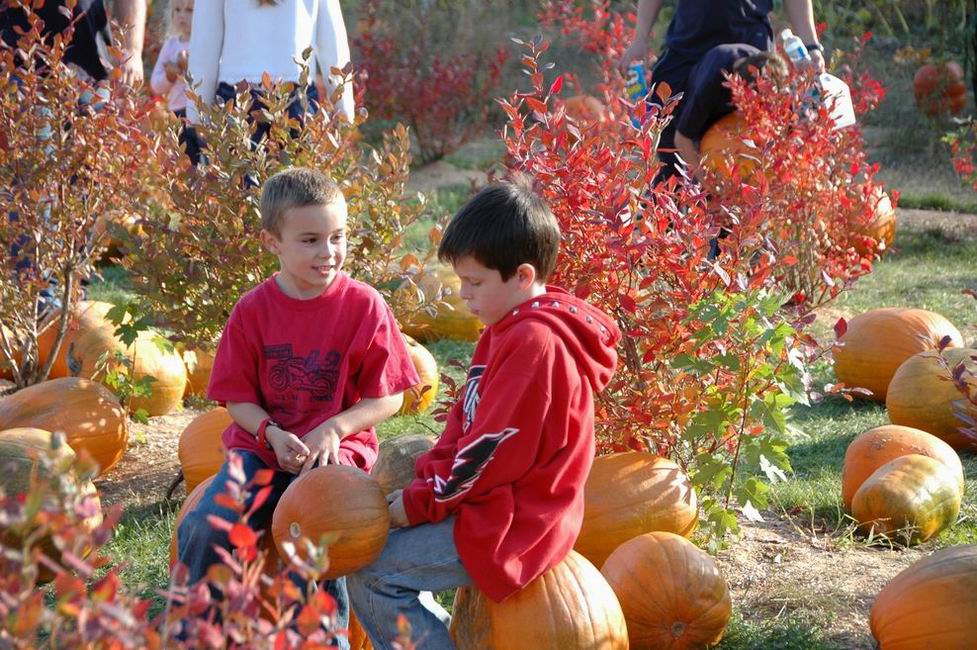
x=323, y=444
x=393, y=496
x=289, y=449
x=398, y=515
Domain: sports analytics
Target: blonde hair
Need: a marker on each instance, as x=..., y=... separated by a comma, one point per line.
x=168, y=22
x=294, y=188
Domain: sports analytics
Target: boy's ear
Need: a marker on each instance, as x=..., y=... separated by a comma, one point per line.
x=526, y=273
x=270, y=242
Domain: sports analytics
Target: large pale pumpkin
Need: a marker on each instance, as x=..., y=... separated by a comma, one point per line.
x=911, y=498
x=419, y=398
x=672, y=593
x=921, y=395
x=569, y=606
x=631, y=493
x=201, y=449
x=90, y=334
x=342, y=502
x=931, y=605
x=725, y=140
x=20, y=449
x=199, y=363
x=878, y=341
x=87, y=412
x=452, y=320
x=167, y=369
x=394, y=469
x=876, y=447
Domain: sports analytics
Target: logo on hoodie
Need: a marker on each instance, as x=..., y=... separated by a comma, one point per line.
x=470, y=403
x=470, y=462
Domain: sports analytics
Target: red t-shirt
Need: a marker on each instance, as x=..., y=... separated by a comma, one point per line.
x=304, y=361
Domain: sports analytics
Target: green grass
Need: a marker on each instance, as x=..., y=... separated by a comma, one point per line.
x=785, y=631
x=111, y=285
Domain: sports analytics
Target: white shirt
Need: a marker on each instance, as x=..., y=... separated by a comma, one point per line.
x=175, y=91
x=233, y=40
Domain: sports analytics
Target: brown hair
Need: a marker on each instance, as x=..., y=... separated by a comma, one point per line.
x=294, y=188
x=504, y=225
x=749, y=67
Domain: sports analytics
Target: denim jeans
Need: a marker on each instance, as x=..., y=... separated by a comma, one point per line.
x=422, y=558
x=297, y=109
x=196, y=538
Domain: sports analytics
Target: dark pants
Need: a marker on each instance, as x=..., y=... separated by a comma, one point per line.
x=297, y=110
x=196, y=538
x=673, y=70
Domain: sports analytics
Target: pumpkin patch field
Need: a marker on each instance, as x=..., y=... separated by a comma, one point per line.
x=786, y=453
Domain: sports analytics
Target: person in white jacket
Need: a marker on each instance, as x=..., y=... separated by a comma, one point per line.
x=241, y=40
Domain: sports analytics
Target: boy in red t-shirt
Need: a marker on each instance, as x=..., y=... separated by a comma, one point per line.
x=309, y=362
x=499, y=500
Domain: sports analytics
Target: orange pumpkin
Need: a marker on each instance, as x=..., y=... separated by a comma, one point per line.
x=201, y=449
x=199, y=363
x=452, y=319
x=632, y=493
x=569, y=606
x=419, y=398
x=691, y=604
x=921, y=395
x=881, y=228
x=20, y=449
x=342, y=502
x=930, y=605
x=912, y=497
x=358, y=640
x=878, y=341
x=724, y=143
x=585, y=109
x=940, y=89
x=394, y=469
x=876, y=447
x=88, y=413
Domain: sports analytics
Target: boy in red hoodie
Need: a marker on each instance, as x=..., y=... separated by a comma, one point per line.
x=499, y=500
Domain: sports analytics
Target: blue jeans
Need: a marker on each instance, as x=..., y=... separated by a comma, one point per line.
x=196, y=538
x=422, y=558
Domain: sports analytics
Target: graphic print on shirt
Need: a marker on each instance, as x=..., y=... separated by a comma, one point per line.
x=309, y=374
x=470, y=462
x=471, y=394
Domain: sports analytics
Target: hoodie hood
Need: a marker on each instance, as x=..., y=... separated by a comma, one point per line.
x=589, y=334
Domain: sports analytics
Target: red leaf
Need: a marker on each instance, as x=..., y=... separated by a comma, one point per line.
x=263, y=477
x=242, y=535
x=219, y=523
x=557, y=85
x=840, y=328
x=226, y=501
x=259, y=499
x=536, y=105
x=663, y=90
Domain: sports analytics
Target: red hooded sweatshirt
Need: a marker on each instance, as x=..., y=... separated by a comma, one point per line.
x=518, y=445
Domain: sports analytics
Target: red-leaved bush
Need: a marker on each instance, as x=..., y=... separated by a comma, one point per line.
x=413, y=75
x=710, y=361
x=93, y=608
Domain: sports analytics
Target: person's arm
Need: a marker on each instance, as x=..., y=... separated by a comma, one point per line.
x=800, y=15
x=332, y=51
x=206, y=42
x=132, y=17
x=689, y=152
x=323, y=441
x=648, y=11
x=288, y=448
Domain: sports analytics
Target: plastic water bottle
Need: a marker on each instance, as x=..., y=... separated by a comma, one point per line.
x=636, y=86
x=794, y=47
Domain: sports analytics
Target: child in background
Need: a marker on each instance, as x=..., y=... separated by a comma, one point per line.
x=168, y=78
